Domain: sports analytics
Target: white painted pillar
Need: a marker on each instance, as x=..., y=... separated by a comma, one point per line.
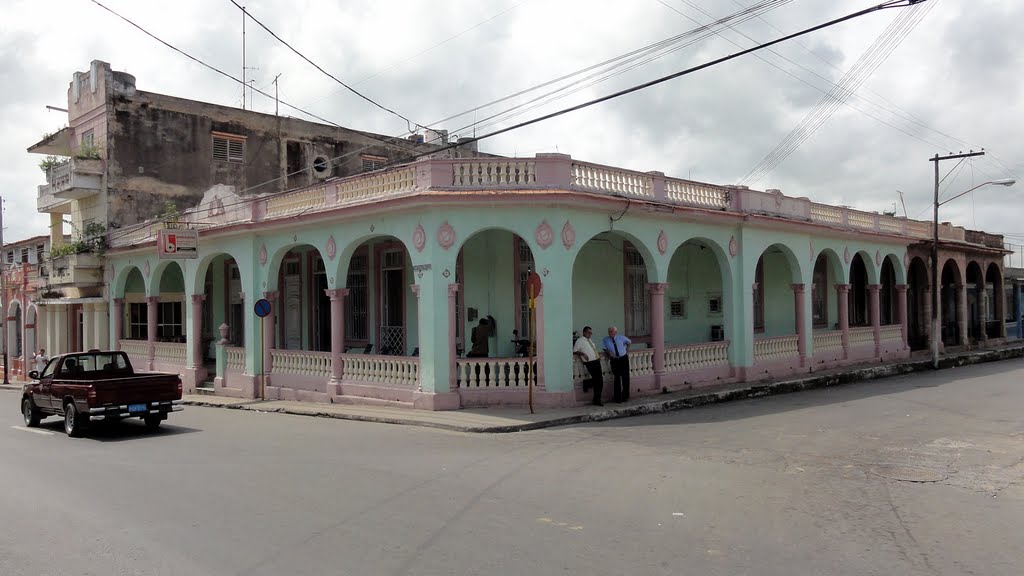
x=101, y=326
x=87, y=327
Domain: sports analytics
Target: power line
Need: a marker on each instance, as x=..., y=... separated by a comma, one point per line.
x=325, y=72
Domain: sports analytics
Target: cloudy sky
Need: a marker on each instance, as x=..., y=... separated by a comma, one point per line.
x=952, y=83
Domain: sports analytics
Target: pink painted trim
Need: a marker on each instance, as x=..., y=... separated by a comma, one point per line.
x=876, y=315
x=151, y=304
x=453, y=291
x=843, y=308
x=799, y=301
x=197, y=329
x=118, y=323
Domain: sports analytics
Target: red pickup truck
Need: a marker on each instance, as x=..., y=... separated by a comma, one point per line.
x=92, y=386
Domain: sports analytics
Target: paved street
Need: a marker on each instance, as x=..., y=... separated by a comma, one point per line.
x=796, y=484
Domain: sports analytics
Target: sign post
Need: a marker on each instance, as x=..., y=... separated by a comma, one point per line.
x=533, y=287
x=262, y=309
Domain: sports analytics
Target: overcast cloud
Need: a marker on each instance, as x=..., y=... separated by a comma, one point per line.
x=956, y=75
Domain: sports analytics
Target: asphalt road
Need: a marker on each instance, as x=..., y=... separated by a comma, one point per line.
x=790, y=485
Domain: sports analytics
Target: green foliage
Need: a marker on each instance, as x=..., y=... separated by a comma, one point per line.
x=50, y=161
x=88, y=151
x=92, y=240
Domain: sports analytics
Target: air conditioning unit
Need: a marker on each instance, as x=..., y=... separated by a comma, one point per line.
x=717, y=333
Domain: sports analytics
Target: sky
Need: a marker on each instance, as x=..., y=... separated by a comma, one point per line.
x=949, y=83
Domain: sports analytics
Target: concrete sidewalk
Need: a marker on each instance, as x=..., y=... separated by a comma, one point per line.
x=517, y=419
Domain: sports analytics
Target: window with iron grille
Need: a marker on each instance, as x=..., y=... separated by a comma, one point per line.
x=357, y=303
x=137, y=326
x=228, y=149
x=10, y=256
x=638, y=298
x=24, y=254
x=526, y=265
x=371, y=163
x=40, y=250
x=677, y=308
x=759, y=296
x=168, y=321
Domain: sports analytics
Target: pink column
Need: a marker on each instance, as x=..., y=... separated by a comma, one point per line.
x=961, y=306
x=337, y=297
x=151, y=309
x=876, y=315
x=843, y=307
x=196, y=337
x=658, y=327
x=926, y=296
x=453, y=293
x=901, y=311
x=118, y=324
x=799, y=302
x=538, y=334
x=269, y=329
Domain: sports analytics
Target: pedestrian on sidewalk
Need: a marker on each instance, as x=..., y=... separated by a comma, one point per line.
x=617, y=349
x=40, y=360
x=586, y=351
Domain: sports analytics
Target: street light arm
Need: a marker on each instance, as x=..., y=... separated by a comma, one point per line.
x=1008, y=182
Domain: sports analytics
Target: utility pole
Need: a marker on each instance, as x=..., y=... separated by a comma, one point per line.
x=936, y=329
x=3, y=292
x=275, y=94
x=243, y=57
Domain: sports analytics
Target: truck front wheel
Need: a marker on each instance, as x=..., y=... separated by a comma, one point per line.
x=30, y=412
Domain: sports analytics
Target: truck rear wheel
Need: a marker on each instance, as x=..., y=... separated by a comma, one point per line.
x=30, y=412
x=73, y=424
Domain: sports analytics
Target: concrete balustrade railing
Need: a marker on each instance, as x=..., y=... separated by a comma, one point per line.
x=696, y=356
x=546, y=171
x=403, y=371
x=235, y=357
x=828, y=341
x=862, y=335
x=775, y=348
x=641, y=362
x=495, y=372
x=891, y=333
x=301, y=363
x=137, y=351
x=170, y=353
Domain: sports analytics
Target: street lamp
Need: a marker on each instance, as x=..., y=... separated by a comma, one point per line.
x=936, y=329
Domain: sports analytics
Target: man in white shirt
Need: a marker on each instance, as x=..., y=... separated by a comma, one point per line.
x=41, y=360
x=587, y=353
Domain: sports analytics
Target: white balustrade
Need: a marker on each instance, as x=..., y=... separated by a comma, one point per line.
x=137, y=351
x=860, y=219
x=235, y=357
x=892, y=333
x=862, y=335
x=611, y=180
x=696, y=194
x=776, y=348
x=494, y=372
x=828, y=341
x=494, y=173
x=580, y=372
x=308, y=200
x=387, y=370
x=377, y=186
x=827, y=214
x=301, y=362
x=696, y=356
x=641, y=362
x=170, y=353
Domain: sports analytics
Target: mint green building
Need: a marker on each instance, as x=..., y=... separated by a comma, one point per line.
x=377, y=281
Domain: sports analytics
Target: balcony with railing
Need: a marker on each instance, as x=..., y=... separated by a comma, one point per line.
x=554, y=173
x=76, y=269
x=74, y=179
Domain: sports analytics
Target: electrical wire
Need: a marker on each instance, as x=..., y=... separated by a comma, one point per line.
x=317, y=66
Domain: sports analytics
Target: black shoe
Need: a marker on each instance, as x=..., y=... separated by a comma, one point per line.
x=617, y=400
x=586, y=387
x=598, y=403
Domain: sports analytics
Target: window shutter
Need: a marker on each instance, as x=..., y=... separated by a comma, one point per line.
x=228, y=150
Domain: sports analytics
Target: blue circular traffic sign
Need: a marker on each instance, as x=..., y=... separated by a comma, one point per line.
x=262, y=307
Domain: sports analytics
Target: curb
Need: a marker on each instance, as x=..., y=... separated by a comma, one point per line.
x=658, y=407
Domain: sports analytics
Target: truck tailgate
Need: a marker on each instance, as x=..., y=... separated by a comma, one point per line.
x=137, y=389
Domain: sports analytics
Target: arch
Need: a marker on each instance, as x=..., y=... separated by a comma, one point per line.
x=776, y=270
x=897, y=265
x=975, y=288
x=169, y=276
x=649, y=260
x=951, y=283
x=203, y=266
x=272, y=269
x=869, y=265
x=14, y=325
x=698, y=299
x=994, y=289
x=918, y=304
x=125, y=275
x=610, y=277
x=297, y=272
x=887, y=292
x=828, y=272
x=860, y=280
x=492, y=265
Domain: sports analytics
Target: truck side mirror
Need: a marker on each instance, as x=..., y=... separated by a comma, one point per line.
x=34, y=375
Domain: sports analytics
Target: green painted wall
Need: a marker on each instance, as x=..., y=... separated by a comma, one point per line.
x=779, y=311
x=694, y=276
x=136, y=283
x=598, y=288
x=172, y=281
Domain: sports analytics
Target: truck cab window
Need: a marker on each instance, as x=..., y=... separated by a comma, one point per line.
x=48, y=371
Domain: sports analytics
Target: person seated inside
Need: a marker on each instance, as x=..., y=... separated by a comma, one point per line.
x=481, y=340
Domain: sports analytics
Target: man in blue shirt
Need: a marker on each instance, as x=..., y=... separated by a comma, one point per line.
x=617, y=349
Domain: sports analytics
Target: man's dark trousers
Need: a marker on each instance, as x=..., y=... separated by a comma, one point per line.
x=620, y=369
x=596, y=379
